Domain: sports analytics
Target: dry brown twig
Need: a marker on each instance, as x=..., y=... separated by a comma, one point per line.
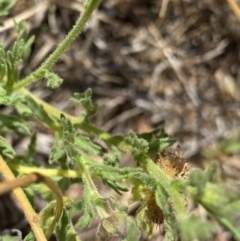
x=11, y=183
x=235, y=7
x=29, y=212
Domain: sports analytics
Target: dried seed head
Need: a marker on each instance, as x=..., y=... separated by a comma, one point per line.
x=172, y=164
x=153, y=211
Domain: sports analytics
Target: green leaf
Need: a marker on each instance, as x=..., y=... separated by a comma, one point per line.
x=112, y=160
x=144, y=222
x=6, y=149
x=57, y=153
x=212, y=173
x=12, y=124
x=3, y=66
x=65, y=230
x=22, y=35
x=16, y=55
x=27, y=47
x=68, y=130
x=39, y=111
x=162, y=200
x=194, y=228
x=53, y=80
x=23, y=109
x=69, y=134
x=30, y=237
x=133, y=232
x=31, y=146
x=85, y=99
x=223, y=202
x=10, y=238
x=118, y=226
x=85, y=204
x=9, y=99
x=158, y=141
x=114, y=185
x=21, y=49
x=5, y=6
x=230, y=145
x=139, y=146
x=46, y=215
x=87, y=144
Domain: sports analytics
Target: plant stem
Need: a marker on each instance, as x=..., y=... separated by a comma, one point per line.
x=34, y=178
x=51, y=110
x=37, y=74
x=80, y=123
x=44, y=171
x=89, y=184
x=30, y=214
x=59, y=206
x=235, y=7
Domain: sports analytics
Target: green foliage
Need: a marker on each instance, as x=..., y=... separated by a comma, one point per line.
x=118, y=226
x=13, y=124
x=112, y=160
x=9, y=238
x=88, y=145
x=158, y=141
x=194, y=227
x=38, y=110
x=58, y=154
x=69, y=139
x=5, y=6
x=7, y=99
x=230, y=145
x=54, y=81
x=140, y=146
x=86, y=205
x=19, y=52
x=85, y=100
x=72, y=160
x=65, y=230
x=6, y=148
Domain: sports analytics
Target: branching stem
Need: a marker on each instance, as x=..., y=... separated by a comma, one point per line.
x=13, y=183
x=30, y=214
x=52, y=59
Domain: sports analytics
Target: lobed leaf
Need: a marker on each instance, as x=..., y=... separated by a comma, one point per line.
x=53, y=80
x=85, y=99
x=9, y=99
x=118, y=227
x=112, y=160
x=39, y=111
x=57, y=153
x=85, y=204
x=140, y=146
x=5, y=6
x=13, y=124
x=88, y=145
x=6, y=148
x=65, y=230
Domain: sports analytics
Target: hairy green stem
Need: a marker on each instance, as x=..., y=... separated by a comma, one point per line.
x=165, y=182
x=80, y=123
x=89, y=184
x=38, y=74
